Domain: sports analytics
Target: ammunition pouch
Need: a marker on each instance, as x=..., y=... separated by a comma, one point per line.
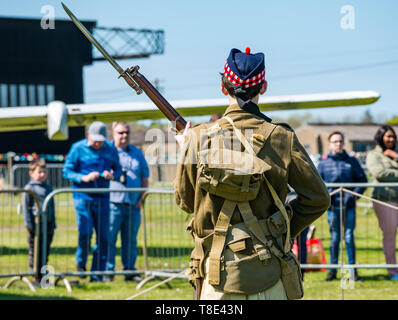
x=198, y=254
x=291, y=276
x=226, y=184
x=246, y=265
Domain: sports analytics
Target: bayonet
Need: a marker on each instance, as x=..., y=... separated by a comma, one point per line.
x=133, y=78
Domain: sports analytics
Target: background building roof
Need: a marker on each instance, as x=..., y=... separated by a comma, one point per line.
x=351, y=131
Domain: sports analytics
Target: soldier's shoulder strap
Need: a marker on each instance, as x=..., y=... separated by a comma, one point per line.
x=267, y=128
x=262, y=135
x=284, y=125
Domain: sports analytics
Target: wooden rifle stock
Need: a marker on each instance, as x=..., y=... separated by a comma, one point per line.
x=138, y=81
x=197, y=289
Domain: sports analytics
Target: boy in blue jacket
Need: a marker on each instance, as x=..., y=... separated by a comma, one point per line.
x=38, y=185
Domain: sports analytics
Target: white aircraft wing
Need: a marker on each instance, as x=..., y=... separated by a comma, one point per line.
x=57, y=114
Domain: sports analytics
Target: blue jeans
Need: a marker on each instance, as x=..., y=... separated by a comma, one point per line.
x=348, y=214
x=92, y=214
x=127, y=219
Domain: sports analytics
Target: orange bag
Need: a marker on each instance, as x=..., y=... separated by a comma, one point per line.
x=315, y=253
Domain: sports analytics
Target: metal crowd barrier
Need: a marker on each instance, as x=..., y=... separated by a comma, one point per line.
x=165, y=245
x=20, y=175
x=162, y=172
x=367, y=234
x=14, y=248
x=345, y=188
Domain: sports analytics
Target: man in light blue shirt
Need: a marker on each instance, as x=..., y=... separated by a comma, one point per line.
x=92, y=163
x=125, y=207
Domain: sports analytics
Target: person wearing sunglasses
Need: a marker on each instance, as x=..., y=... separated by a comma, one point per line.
x=125, y=207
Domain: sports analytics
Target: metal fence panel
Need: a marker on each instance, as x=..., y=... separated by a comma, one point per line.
x=163, y=242
x=368, y=243
x=157, y=218
x=14, y=258
x=168, y=244
x=162, y=173
x=164, y=245
x=20, y=175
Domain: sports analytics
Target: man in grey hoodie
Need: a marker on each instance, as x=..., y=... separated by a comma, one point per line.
x=37, y=184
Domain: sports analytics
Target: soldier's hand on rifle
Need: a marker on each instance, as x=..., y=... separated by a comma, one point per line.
x=180, y=138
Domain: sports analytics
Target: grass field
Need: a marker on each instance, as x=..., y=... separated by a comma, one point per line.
x=168, y=248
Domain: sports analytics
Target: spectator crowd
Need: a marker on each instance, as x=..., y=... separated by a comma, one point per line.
x=95, y=162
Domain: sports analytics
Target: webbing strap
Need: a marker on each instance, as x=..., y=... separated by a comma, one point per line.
x=282, y=209
x=254, y=226
x=200, y=254
x=217, y=246
x=275, y=196
x=214, y=181
x=251, y=221
x=245, y=184
x=240, y=136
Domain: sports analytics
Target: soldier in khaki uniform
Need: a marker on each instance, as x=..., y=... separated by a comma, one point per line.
x=241, y=229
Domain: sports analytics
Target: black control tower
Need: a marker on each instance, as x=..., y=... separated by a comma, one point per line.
x=40, y=65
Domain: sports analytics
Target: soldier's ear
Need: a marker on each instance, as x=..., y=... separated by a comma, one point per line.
x=223, y=90
x=264, y=87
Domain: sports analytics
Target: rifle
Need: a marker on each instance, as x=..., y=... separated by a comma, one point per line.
x=197, y=289
x=134, y=79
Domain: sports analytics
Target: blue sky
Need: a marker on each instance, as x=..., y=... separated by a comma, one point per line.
x=306, y=49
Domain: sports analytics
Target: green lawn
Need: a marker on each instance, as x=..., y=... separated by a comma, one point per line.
x=168, y=248
x=375, y=286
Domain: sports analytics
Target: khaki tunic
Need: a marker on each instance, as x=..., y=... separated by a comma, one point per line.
x=290, y=164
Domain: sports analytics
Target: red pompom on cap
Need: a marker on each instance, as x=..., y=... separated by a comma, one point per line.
x=247, y=50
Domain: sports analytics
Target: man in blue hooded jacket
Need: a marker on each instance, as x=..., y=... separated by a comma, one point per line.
x=92, y=163
x=340, y=167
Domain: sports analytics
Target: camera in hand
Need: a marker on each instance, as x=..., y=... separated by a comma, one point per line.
x=123, y=177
